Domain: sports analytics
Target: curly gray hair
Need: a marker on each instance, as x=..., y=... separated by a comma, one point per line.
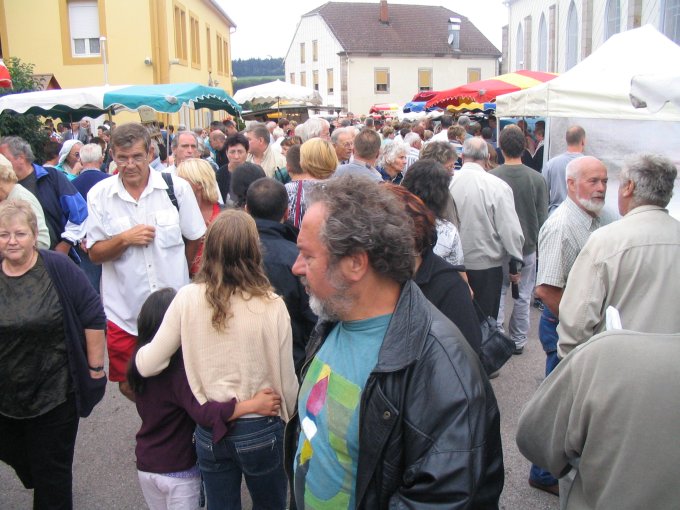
x=364, y=216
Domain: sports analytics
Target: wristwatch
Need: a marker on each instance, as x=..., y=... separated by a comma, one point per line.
x=96, y=369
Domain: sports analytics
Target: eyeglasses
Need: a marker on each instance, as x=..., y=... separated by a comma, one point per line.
x=18, y=236
x=133, y=160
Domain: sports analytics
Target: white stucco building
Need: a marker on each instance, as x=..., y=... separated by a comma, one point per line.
x=360, y=54
x=554, y=35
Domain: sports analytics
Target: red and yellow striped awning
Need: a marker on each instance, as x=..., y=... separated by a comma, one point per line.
x=486, y=91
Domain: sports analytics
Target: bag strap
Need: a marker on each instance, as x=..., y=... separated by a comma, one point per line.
x=171, y=189
x=298, y=205
x=480, y=313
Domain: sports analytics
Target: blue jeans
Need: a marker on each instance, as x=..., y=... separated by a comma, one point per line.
x=547, y=334
x=254, y=449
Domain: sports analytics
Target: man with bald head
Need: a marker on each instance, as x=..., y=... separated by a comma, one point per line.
x=560, y=240
x=554, y=171
x=490, y=232
x=217, y=141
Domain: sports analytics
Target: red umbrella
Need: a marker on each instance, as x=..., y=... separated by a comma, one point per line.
x=486, y=91
x=424, y=96
x=5, y=77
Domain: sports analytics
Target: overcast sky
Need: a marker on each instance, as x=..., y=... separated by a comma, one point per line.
x=266, y=28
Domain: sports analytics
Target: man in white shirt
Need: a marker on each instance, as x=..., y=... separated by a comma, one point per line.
x=136, y=231
x=415, y=143
x=490, y=231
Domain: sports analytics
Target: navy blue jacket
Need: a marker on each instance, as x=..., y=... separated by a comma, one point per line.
x=82, y=309
x=60, y=201
x=280, y=252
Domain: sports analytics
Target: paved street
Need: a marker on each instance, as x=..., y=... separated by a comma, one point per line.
x=105, y=476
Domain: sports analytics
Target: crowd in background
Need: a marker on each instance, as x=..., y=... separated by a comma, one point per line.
x=332, y=276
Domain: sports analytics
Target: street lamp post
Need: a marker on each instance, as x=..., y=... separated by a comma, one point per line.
x=102, y=41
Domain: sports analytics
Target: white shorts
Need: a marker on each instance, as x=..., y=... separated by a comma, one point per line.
x=163, y=492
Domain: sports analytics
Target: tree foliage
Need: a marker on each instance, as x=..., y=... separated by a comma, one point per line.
x=26, y=126
x=258, y=67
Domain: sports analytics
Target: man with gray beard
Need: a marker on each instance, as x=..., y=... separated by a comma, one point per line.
x=560, y=240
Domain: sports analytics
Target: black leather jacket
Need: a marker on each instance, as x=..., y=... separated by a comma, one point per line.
x=429, y=424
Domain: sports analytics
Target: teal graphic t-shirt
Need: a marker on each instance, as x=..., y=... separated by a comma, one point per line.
x=328, y=408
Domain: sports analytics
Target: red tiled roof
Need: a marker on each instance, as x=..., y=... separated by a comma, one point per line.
x=412, y=29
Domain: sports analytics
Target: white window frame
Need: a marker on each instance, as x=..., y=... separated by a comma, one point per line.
x=83, y=17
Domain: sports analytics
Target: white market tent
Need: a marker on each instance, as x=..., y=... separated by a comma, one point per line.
x=596, y=94
x=599, y=87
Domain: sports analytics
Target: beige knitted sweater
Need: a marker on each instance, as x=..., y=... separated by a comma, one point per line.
x=253, y=352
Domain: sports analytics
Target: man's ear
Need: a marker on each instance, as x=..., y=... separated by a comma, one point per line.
x=355, y=266
x=628, y=189
x=286, y=215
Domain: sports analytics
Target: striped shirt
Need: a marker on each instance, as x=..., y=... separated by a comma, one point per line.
x=561, y=239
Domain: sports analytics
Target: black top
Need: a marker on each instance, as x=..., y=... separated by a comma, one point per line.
x=34, y=375
x=279, y=252
x=223, y=176
x=445, y=288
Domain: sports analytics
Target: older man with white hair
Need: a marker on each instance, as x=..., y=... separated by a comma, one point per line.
x=560, y=240
x=415, y=143
x=316, y=127
x=491, y=231
x=631, y=265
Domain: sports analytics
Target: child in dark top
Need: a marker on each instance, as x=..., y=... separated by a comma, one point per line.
x=166, y=457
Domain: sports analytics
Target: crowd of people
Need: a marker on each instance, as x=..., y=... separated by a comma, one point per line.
x=299, y=306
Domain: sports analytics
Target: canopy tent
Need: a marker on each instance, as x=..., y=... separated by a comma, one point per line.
x=277, y=91
x=599, y=87
x=595, y=94
x=487, y=90
x=74, y=104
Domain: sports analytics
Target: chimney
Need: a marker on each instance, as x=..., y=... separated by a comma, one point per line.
x=454, y=33
x=384, y=17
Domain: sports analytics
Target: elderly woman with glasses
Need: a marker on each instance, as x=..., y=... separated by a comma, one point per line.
x=51, y=357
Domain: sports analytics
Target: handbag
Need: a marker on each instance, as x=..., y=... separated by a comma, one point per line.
x=496, y=348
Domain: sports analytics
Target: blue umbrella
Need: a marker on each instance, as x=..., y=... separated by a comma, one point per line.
x=93, y=101
x=170, y=97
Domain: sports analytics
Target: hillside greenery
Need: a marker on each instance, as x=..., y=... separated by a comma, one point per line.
x=257, y=67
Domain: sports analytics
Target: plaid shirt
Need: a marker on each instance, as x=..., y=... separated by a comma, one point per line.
x=561, y=239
